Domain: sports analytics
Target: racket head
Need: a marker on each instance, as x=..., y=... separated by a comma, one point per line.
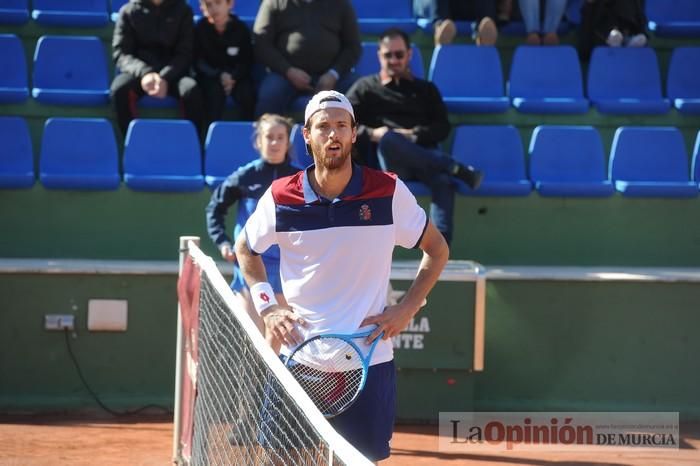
x=332, y=371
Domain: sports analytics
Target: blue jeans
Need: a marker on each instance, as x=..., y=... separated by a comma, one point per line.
x=553, y=12
x=276, y=93
x=410, y=161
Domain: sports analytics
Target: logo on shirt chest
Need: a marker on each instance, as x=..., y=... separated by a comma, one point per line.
x=365, y=213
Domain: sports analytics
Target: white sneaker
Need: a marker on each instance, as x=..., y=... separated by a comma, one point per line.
x=614, y=38
x=637, y=40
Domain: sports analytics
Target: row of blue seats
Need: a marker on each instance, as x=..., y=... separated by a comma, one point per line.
x=164, y=155
x=666, y=18
x=73, y=71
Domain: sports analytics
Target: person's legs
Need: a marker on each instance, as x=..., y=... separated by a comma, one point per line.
x=394, y=152
x=530, y=11
x=433, y=168
x=214, y=97
x=369, y=423
x=442, y=205
x=553, y=13
x=244, y=97
x=275, y=95
x=125, y=91
x=192, y=102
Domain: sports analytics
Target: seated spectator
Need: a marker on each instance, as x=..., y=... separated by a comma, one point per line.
x=613, y=23
x=307, y=46
x=223, y=60
x=544, y=32
x=152, y=48
x=401, y=120
x=444, y=13
x=246, y=186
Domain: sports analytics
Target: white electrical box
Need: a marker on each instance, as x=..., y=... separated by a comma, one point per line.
x=107, y=315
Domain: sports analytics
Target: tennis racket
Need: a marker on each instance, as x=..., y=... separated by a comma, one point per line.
x=332, y=369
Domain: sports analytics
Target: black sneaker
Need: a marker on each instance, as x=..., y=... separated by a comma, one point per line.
x=468, y=174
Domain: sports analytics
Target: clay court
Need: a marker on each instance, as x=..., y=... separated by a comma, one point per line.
x=31, y=440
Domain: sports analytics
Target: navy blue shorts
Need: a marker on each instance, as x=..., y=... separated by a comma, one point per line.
x=369, y=423
x=272, y=267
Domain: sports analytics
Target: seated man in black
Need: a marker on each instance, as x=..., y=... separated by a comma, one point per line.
x=152, y=48
x=402, y=119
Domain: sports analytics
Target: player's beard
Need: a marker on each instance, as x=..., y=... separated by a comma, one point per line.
x=328, y=162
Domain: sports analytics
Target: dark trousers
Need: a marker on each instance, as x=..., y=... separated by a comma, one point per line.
x=243, y=95
x=469, y=10
x=126, y=90
x=411, y=162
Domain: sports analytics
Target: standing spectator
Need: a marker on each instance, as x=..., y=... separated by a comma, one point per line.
x=544, y=32
x=443, y=13
x=307, y=46
x=152, y=47
x=246, y=185
x=613, y=23
x=223, y=59
x=402, y=119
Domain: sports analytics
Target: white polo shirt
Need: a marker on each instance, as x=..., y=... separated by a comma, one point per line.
x=335, y=256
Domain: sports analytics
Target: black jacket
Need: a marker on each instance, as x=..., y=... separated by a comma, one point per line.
x=154, y=38
x=230, y=52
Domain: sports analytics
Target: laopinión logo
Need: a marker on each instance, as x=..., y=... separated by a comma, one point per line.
x=499, y=431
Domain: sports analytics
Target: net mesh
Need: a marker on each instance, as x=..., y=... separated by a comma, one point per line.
x=248, y=409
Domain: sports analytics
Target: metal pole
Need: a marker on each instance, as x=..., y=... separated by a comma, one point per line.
x=179, y=348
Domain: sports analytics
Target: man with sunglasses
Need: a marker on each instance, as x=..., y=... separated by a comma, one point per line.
x=402, y=119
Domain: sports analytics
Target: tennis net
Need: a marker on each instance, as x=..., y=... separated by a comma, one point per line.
x=236, y=403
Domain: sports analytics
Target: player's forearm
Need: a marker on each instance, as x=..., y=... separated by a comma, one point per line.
x=435, y=256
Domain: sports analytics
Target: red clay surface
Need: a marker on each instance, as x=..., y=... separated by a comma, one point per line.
x=54, y=440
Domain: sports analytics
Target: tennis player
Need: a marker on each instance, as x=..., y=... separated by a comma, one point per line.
x=336, y=225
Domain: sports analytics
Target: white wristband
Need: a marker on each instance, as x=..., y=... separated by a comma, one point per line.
x=263, y=296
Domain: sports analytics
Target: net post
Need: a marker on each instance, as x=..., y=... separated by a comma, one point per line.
x=479, y=317
x=177, y=408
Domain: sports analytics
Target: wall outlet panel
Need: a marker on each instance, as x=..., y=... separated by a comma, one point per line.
x=107, y=315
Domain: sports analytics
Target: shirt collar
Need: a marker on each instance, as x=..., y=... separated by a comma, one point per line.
x=385, y=79
x=354, y=187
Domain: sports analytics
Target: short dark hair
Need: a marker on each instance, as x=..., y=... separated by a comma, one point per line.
x=394, y=32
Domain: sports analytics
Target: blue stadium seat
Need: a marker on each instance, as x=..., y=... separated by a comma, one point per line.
x=79, y=153
x=470, y=78
x=228, y=146
x=625, y=80
x=547, y=80
x=677, y=18
x=650, y=162
x=683, y=83
x=374, y=16
x=13, y=70
x=695, y=168
x=302, y=159
x=568, y=161
x=162, y=156
x=369, y=63
x=14, y=11
x=115, y=7
x=70, y=70
x=498, y=152
x=247, y=11
x=70, y=13
x=17, y=161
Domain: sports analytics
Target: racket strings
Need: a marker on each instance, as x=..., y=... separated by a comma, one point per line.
x=331, y=371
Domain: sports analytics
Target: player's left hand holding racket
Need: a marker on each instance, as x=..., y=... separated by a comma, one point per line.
x=332, y=369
